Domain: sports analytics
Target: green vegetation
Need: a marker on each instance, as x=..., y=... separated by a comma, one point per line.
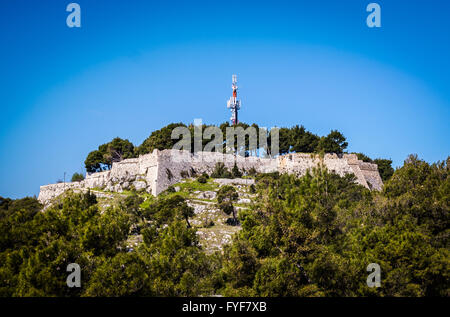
x=159, y=139
x=315, y=236
x=332, y=143
x=226, y=196
x=108, y=153
x=36, y=248
x=235, y=172
x=192, y=185
x=307, y=236
x=77, y=177
x=384, y=168
x=202, y=179
x=220, y=171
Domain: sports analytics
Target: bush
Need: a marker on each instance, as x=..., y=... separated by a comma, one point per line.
x=226, y=196
x=171, y=189
x=77, y=177
x=184, y=174
x=236, y=172
x=208, y=223
x=252, y=172
x=220, y=171
x=201, y=179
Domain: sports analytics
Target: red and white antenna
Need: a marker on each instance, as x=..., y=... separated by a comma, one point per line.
x=233, y=104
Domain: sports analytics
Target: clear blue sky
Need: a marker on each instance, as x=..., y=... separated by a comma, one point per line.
x=135, y=66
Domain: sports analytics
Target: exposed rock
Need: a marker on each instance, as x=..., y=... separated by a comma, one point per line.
x=235, y=181
x=207, y=195
x=139, y=185
x=244, y=201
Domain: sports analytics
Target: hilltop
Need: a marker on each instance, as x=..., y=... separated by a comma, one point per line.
x=267, y=234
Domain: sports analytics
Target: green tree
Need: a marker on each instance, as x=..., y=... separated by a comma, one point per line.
x=108, y=153
x=284, y=140
x=40, y=245
x=202, y=179
x=240, y=267
x=384, y=168
x=117, y=150
x=220, y=171
x=315, y=235
x=303, y=141
x=225, y=198
x=160, y=139
x=236, y=172
x=77, y=177
x=123, y=275
x=332, y=143
x=363, y=157
x=94, y=162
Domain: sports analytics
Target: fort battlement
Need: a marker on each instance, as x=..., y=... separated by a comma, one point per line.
x=156, y=171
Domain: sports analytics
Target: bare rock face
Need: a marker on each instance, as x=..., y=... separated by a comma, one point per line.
x=140, y=185
x=244, y=201
x=207, y=195
x=156, y=171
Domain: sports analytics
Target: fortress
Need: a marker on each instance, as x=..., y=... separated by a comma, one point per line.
x=156, y=171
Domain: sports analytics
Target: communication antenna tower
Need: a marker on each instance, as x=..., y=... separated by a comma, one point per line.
x=233, y=104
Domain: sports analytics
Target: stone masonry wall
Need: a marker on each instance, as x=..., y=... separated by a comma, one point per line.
x=156, y=171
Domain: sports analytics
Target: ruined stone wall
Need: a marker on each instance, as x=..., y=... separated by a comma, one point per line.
x=171, y=163
x=135, y=173
x=48, y=192
x=156, y=171
x=371, y=175
x=366, y=173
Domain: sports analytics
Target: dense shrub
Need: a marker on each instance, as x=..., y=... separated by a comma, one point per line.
x=202, y=179
x=77, y=177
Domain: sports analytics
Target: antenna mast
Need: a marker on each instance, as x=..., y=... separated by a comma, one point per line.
x=233, y=104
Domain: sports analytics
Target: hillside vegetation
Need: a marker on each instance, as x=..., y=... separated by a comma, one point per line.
x=307, y=236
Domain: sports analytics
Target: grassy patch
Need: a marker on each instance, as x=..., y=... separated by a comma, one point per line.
x=148, y=200
x=194, y=185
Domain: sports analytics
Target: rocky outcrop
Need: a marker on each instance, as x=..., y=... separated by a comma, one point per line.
x=156, y=171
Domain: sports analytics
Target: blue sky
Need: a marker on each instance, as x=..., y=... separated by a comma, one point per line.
x=135, y=66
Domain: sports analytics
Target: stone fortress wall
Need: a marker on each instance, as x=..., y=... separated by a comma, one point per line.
x=156, y=171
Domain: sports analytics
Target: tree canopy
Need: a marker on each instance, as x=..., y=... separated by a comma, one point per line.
x=77, y=177
x=316, y=235
x=108, y=153
x=295, y=139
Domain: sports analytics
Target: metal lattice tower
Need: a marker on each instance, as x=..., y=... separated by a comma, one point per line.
x=233, y=104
